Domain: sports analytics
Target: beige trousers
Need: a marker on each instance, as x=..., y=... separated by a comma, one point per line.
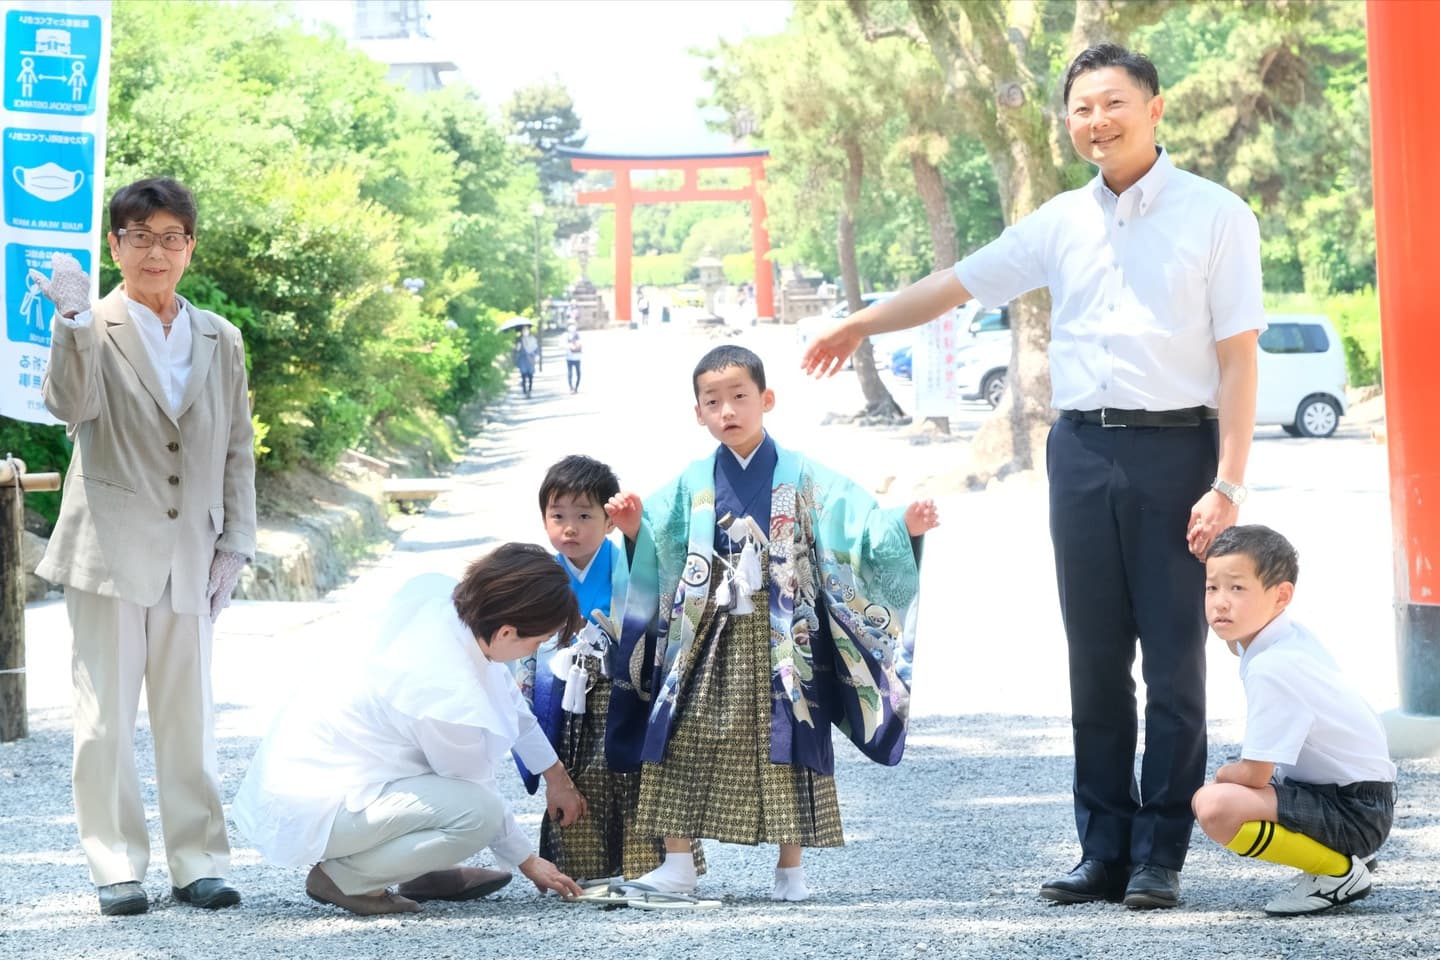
x=416, y=825
x=117, y=645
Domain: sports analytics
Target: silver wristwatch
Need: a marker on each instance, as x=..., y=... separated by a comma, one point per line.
x=1234, y=492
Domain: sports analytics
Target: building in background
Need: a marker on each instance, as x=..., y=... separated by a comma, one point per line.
x=394, y=32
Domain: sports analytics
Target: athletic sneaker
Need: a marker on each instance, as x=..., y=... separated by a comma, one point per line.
x=1312, y=893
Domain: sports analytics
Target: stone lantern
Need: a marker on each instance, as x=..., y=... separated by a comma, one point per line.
x=712, y=278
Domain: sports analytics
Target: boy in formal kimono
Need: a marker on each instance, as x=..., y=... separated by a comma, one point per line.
x=767, y=601
x=573, y=702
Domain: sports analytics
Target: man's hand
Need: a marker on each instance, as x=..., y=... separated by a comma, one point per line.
x=624, y=510
x=546, y=876
x=563, y=799
x=827, y=353
x=920, y=516
x=1211, y=515
x=225, y=569
x=67, y=286
x=1247, y=773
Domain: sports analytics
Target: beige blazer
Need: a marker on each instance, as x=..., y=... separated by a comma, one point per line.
x=149, y=496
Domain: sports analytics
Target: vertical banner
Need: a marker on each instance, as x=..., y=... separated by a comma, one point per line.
x=932, y=365
x=52, y=164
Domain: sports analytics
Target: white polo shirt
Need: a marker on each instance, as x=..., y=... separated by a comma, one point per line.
x=1302, y=716
x=1142, y=286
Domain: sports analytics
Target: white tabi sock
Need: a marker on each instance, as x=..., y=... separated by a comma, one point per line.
x=675, y=875
x=790, y=884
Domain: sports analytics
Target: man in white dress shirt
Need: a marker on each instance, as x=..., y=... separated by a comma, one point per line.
x=1154, y=275
x=383, y=772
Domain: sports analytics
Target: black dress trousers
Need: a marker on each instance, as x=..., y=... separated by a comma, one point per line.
x=1120, y=500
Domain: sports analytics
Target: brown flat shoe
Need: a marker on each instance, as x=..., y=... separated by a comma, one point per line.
x=457, y=884
x=320, y=888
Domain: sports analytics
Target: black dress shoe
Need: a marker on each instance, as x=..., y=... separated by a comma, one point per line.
x=1091, y=880
x=1153, y=887
x=122, y=899
x=212, y=893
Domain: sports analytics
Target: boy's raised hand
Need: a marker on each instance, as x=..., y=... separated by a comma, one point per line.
x=920, y=516
x=624, y=511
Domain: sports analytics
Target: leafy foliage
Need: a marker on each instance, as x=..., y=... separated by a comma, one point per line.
x=322, y=189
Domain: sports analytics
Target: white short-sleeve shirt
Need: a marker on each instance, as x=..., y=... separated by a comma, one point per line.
x=1142, y=287
x=1301, y=714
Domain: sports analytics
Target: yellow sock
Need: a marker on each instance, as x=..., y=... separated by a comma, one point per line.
x=1272, y=843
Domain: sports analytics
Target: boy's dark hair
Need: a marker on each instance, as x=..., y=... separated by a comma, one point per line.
x=725, y=357
x=1141, y=70
x=520, y=585
x=1275, y=558
x=577, y=475
x=135, y=202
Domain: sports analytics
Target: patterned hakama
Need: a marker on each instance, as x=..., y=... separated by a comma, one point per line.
x=605, y=842
x=717, y=780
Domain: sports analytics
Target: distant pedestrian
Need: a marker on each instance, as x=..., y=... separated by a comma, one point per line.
x=572, y=357
x=642, y=304
x=527, y=350
x=1314, y=787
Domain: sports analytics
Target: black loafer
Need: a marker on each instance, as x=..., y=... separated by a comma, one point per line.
x=1153, y=887
x=211, y=893
x=122, y=899
x=1091, y=880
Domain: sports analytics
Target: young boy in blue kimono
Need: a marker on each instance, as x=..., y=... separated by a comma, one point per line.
x=767, y=601
x=572, y=705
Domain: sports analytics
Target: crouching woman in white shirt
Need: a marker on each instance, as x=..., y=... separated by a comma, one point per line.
x=382, y=772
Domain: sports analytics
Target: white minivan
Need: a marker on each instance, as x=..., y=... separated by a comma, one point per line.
x=1302, y=375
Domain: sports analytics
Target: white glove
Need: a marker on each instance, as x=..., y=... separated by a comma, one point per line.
x=224, y=574
x=67, y=287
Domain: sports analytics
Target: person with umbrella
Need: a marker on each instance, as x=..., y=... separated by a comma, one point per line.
x=527, y=351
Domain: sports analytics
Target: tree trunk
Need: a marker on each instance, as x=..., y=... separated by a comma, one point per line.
x=878, y=401
x=14, y=722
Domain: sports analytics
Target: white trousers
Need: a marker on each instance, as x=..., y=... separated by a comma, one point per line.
x=117, y=645
x=416, y=825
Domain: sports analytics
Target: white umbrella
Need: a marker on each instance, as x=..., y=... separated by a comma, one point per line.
x=515, y=323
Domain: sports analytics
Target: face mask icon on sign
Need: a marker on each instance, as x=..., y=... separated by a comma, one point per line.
x=49, y=181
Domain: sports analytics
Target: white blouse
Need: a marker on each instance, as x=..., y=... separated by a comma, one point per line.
x=424, y=701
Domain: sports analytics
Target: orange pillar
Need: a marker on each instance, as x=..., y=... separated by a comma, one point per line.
x=623, y=244
x=760, y=240
x=1405, y=141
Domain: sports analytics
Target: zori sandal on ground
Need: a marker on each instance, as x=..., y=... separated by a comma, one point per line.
x=642, y=897
x=605, y=893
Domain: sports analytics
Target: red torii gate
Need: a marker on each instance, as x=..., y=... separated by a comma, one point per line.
x=625, y=196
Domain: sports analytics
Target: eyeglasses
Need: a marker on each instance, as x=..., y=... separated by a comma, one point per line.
x=144, y=239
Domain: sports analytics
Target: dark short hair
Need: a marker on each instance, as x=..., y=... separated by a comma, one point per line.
x=519, y=585
x=576, y=475
x=1102, y=55
x=723, y=358
x=136, y=202
x=1274, y=557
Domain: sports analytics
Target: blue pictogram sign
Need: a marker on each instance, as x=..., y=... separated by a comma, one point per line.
x=51, y=61
x=48, y=179
x=28, y=314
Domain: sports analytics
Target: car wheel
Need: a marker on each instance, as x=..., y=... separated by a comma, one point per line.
x=1291, y=429
x=1317, y=416
x=992, y=388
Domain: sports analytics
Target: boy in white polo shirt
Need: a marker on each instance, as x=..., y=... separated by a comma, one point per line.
x=1314, y=787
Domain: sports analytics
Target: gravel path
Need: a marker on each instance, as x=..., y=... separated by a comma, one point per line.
x=944, y=852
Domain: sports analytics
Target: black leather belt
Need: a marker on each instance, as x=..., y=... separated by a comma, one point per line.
x=1111, y=417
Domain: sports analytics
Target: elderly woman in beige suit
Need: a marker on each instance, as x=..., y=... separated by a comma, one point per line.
x=156, y=523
